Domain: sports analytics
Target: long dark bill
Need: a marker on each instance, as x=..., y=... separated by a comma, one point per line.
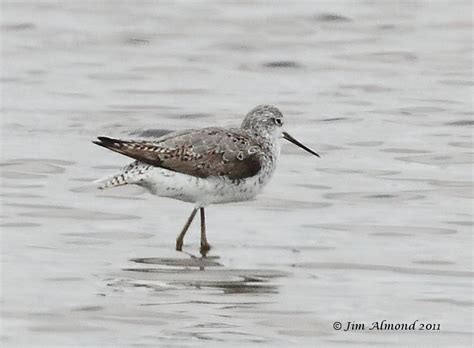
x=297, y=143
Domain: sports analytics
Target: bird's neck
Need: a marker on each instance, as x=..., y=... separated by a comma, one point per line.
x=271, y=142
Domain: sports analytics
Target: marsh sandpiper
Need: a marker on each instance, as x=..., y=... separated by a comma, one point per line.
x=205, y=166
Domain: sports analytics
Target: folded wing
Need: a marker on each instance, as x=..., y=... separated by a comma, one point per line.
x=201, y=153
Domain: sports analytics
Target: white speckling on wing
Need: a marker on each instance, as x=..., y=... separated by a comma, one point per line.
x=215, y=188
x=200, y=191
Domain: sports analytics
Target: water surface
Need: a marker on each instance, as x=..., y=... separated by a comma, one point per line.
x=379, y=228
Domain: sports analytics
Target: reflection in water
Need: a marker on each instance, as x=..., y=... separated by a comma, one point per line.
x=198, y=273
x=282, y=64
x=200, y=262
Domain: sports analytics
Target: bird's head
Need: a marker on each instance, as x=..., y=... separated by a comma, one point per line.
x=267, y=120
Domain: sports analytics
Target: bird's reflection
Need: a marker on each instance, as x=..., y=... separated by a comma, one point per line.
x=200, y=262
x=168, y=273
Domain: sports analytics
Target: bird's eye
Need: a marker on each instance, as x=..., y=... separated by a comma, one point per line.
x=278, y=121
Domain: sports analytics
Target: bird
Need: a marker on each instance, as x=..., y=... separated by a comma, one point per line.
x=204, y=166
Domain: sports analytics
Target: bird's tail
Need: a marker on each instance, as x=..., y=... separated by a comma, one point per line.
x=131, y=174
x=143, y=151
x=111, y=181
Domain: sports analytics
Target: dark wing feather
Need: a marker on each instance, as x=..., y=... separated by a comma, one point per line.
x=201, y=153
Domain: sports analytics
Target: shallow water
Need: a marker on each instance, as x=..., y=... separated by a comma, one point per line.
x=379, y=228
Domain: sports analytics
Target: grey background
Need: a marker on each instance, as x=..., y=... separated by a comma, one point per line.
x=379, y=228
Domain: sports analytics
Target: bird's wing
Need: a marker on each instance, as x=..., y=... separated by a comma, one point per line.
x=201, y=153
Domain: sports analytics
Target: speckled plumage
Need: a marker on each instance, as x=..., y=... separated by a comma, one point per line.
x=205, y=166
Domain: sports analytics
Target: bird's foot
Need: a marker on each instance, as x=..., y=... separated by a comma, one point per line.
x=179, y=245
x=205, y=247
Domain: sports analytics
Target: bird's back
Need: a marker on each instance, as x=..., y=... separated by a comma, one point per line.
x=209, y=152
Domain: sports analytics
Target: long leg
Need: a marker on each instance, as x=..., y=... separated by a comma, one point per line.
x=205, y=247
x=179, y=240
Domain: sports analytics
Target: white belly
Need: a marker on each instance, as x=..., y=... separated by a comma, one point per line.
x=203, y=191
